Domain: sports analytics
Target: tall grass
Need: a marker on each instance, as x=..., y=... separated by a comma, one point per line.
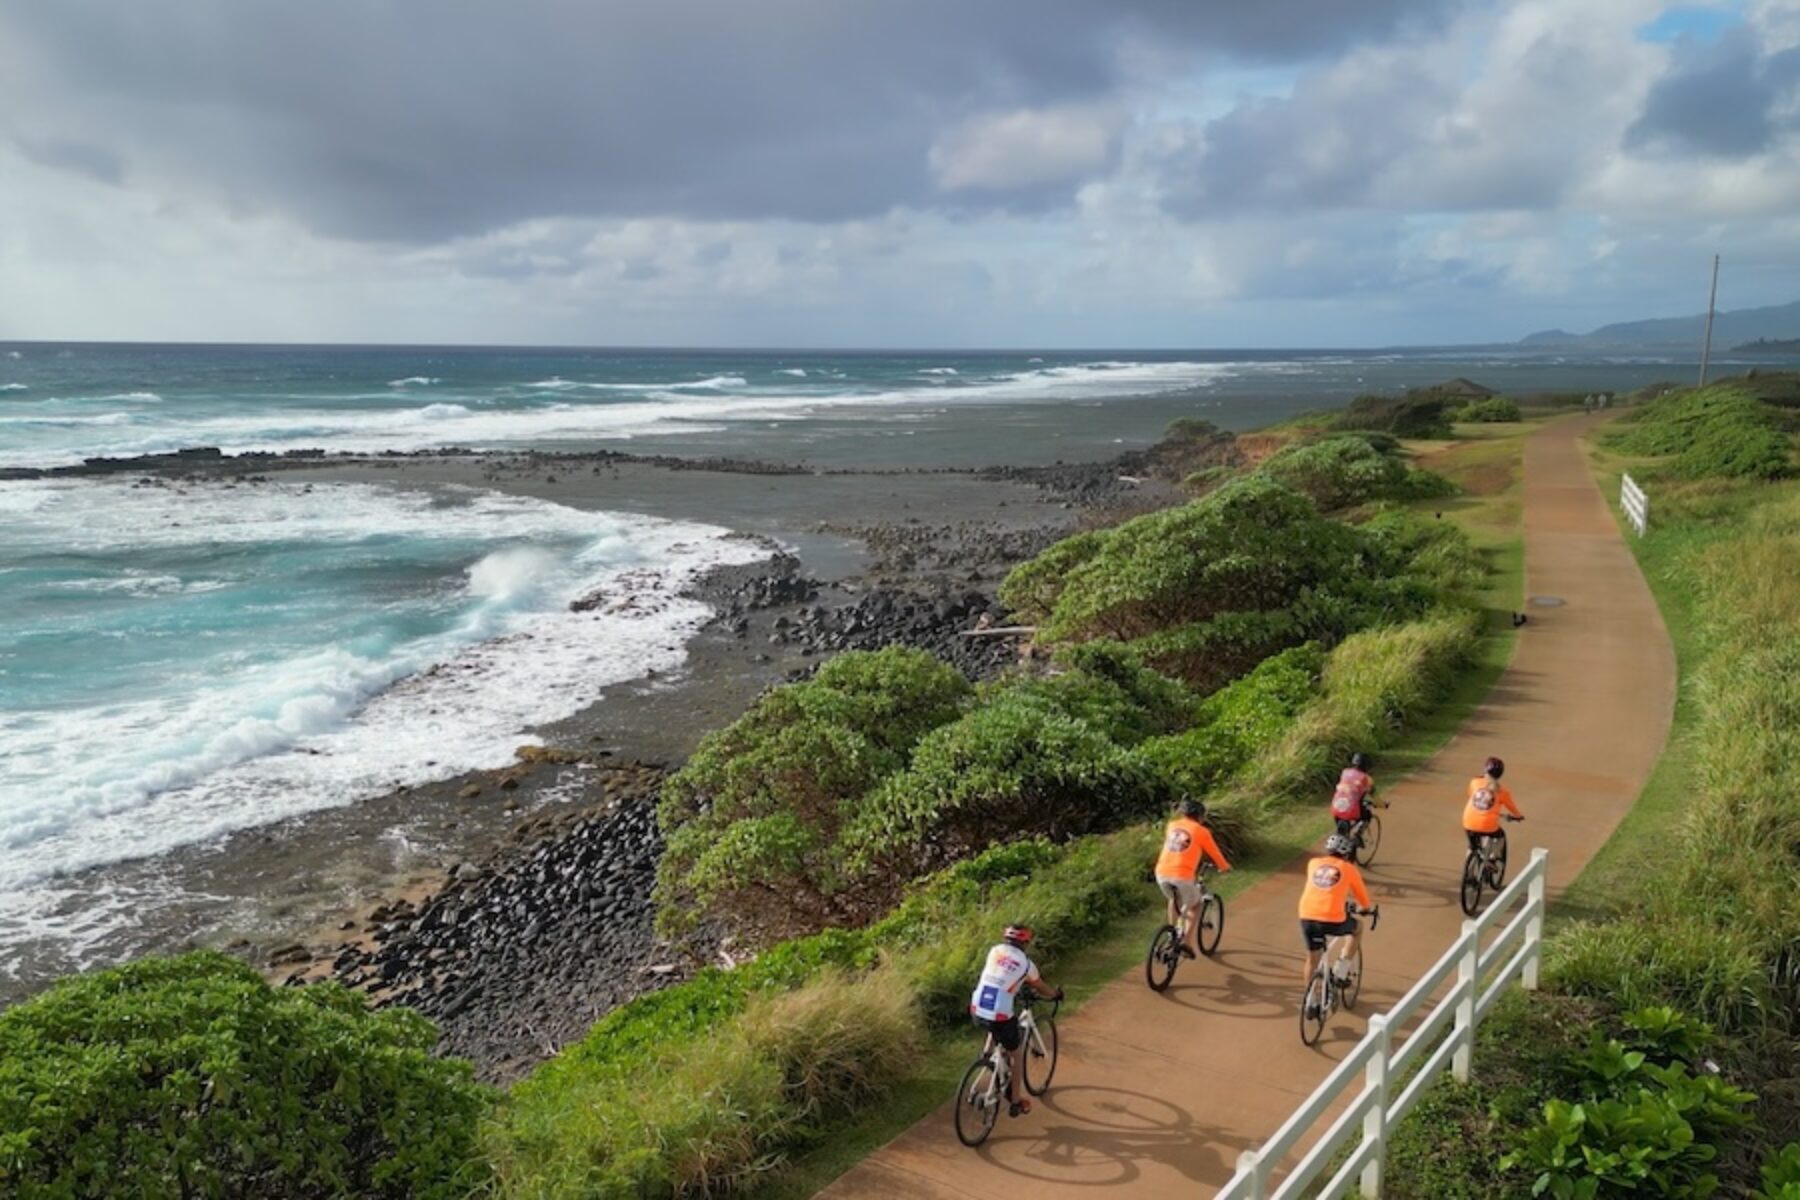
x=1706, y=925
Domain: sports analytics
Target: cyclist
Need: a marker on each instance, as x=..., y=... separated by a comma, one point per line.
x=1487, y=800
x=1007, y=969
x=1185, y=841
x=1355, y=792
x=1324, y=904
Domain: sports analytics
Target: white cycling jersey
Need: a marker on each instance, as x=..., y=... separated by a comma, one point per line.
x=1007, y=969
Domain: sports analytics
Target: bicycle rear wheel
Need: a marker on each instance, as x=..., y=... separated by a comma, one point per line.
x=1369, y=841
x=1471, y=884
x=1497, y=862
x=978, y=1101
x=1037, y=1057
x=1351, y=988
x=1212, y=924
x=1312, y=1009
x=1164, y=957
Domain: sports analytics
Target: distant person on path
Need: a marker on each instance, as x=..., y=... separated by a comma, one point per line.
x=1008, y=968
x=1355, y=789
x=1487, y=801
x=1331, y=880
x=1185, y=841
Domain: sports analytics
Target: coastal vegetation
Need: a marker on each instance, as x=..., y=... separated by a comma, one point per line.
x=1492, y=411
x=1687, y=911
x=865, y=830
x=191, y=1076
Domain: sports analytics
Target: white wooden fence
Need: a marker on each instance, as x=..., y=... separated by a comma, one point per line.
x=1390, y=1049
x=1635, y=503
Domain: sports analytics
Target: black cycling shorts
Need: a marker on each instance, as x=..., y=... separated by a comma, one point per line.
x=1005, y=1032
x=1314, y=933
x=1475, y=838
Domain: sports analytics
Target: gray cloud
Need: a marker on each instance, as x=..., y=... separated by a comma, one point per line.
x=417, y=122
x=83, y=158
x=1722, y=100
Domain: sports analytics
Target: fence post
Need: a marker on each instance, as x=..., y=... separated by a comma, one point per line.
x=1534, y=928
x=1250, y=1161
x=1468, y=967
x=1375, y=1120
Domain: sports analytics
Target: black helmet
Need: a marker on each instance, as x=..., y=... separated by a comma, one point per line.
x=1493, y=767
x=1018, y=933
x=1360, y=761
x=1340, y=845
x=1193, y=807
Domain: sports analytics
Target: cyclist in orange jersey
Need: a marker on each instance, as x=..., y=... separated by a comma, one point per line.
x=1487, y=801
x=1331, y=880
x=1185, y=841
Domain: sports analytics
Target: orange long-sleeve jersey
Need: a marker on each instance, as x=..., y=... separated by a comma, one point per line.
x=1329, y=882
x=1487, y=800
x=1184, y=842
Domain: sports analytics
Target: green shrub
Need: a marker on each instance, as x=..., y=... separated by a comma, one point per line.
x=1019, y=765
x=1348, y=469
x=1493, y=410
x=192, y=1076
x=1237, y=722
x=752, y=820
x=1720, y=432
x=1615, y=1148
x=1166, y=703
x=1031, y=589
x=1780, y=1175
x=1403, y=416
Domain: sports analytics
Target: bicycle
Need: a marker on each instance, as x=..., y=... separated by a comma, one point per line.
x=1365, y=832
x=1165, y=947
x=1485, y=868
x=988, y=1080
x=1325, y=991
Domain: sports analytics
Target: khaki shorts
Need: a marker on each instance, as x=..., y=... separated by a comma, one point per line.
x=1184, y=892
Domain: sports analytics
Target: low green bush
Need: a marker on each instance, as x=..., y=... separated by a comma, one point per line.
x=1344, y=470
x=1493, y=410
x=1238, y=721
x=1780, y=1175
x=1720, y=432
x=1018, y=765
x=752, y=820
x=191, y=1076
x=1424, y=416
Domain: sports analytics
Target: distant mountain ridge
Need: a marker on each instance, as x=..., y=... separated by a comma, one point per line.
x=1775, y=322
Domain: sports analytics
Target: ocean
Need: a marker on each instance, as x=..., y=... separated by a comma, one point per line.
x=181, y=661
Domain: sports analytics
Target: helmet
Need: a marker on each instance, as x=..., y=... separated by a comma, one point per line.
x=1339, y=845
x=1192, y=807
x=1018, y=934
x=1494, y=767
x=1360, y=761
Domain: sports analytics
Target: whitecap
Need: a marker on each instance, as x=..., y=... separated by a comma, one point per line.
x=939, y=371
x=14, y=387
x=413, y=381
x=796, y=372
x=141, y=397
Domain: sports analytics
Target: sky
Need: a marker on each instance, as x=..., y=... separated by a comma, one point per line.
x=890, y=173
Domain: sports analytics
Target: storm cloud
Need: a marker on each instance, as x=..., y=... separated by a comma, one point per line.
x=422, y=121
x=1731, y=99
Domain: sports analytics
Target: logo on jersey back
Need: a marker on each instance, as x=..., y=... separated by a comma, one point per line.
x=1179, y=840
x=1326, y=875
x=1483, y=799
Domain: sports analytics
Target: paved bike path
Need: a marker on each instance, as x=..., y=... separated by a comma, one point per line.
x=1156, y=1095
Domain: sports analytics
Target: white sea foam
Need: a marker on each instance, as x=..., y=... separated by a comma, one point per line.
x=796, y=372
x=14, y=354
x=14, y=387
x=173, y=762
x=140, y=397
x=413, y=381
x=586, y=412
x=939, y=371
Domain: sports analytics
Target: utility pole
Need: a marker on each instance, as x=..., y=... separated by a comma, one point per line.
x=1711, y=301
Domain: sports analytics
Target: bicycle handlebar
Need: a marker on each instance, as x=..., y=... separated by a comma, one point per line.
x=1374, y=915
x=1509, y=818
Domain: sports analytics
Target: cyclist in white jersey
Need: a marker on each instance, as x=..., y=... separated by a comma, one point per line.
x=1008, y=968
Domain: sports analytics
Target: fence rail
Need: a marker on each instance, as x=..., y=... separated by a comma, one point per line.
x=1482, y=967
x=1635, y=503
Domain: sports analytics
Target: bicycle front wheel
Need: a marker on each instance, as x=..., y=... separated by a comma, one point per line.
x=1471, y=884
x=1038, y=1056
x=1164, y=957
x=978, y=1101
x=1212, y=923
x=1370, y=841
x=1312, y=1010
